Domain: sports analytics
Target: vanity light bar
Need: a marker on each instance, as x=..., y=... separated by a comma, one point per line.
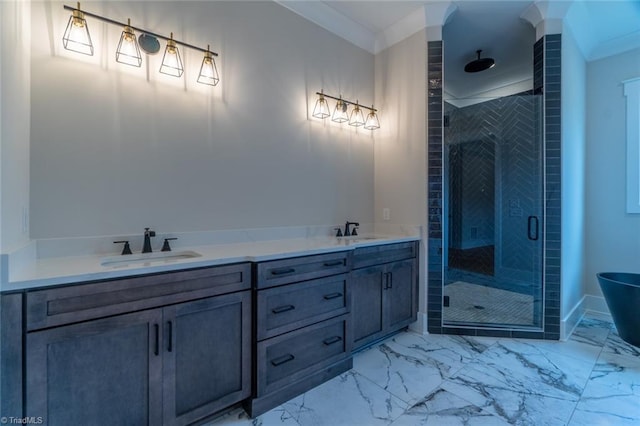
x=77, y=20
x=340, y=115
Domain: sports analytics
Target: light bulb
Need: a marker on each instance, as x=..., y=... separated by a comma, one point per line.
x=128, y=51
x=208, y=70
x=340, y=113
x=372, y=120
x=171, y=62
x=321, y=109
x=76, y=36
x=357, y=119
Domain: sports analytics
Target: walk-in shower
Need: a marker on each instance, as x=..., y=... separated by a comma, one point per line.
x=494, y=204
x=492, y=209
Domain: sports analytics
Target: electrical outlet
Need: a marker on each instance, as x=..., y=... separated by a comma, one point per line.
x=386, y=213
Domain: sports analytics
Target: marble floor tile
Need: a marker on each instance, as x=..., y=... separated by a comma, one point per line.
x=410, y=379
x=616, y=346
x=410, y=366
x=238, y=417
x=347, y=400
x=521, y=366
x=585, y=344
x=442, y=408
x=516, y=408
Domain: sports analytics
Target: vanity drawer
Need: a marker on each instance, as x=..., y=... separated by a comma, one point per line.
x=81, y=302
x=290, y=357
x=285, y=271
x=376, y=255
x=286, y=308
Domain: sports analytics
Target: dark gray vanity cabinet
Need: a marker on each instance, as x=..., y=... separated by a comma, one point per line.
x=101, y=372
x=302, y=322
x=171, y=364
x=207, y=356
x=383, y=290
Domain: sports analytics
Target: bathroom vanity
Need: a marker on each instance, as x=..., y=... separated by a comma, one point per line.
x=179, y=346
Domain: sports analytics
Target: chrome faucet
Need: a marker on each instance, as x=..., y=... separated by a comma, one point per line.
x=348, y=232
x=146, y=248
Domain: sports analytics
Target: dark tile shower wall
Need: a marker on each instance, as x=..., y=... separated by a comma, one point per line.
x=547, y=82
x=434, y=130
x=551, y=90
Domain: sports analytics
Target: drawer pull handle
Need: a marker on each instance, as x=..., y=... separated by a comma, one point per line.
x=332, y=296
x=281, y=309
x=334, y=263
x=156, y=346
x=283, y=359
x=332, y=340
x=283, y=271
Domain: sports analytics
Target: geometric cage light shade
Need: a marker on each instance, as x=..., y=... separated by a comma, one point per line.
x=322, y=110
x=171, y=61
x=129, y=50
x=208, y=70
x=76, y=36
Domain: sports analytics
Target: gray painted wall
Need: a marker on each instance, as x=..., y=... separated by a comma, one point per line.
x=115, y=148
x=15, y=41
x=573, y=127
x=612, y=237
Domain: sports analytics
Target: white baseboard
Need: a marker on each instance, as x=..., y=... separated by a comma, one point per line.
x=596, y=305
x=572, y=319
x=420, y=326
x=589, y=304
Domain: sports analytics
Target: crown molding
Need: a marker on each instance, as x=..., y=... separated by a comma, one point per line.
x=404, y=28
x=332, y=21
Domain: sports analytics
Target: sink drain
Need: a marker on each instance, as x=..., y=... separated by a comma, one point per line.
x=478, y=307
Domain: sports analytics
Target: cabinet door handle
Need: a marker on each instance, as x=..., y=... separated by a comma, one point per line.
x=532, y=228
x=281, y=309
x=390, y=278
x=282, y=271
x=283, y=359
x=156, y=349
x=332, y=296
x=332, y=340
x=334, y=263
x=386, y=281
x=170, y=345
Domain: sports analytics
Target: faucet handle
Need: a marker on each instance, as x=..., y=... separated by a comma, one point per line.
x=166, y=246
x=126, y=249
x=355, y=228
x=339, y=232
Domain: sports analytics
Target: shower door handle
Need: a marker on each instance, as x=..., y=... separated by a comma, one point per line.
x=532, y=228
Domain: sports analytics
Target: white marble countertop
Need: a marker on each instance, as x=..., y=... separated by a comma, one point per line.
x=49, y=271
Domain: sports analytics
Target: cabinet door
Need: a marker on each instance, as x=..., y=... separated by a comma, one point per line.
x=367, y=308
x=101, y=372
x=400, y=294
x=207, y=356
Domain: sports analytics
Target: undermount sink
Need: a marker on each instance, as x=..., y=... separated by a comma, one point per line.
x=147, y=259
x=358, y=238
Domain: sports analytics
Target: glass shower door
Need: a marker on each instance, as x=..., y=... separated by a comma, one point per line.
x=493, y=209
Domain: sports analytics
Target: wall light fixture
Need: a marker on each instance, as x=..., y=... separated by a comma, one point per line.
x=77, y=38
x=340, y=114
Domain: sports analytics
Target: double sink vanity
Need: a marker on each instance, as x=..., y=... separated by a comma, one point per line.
x=176, y=337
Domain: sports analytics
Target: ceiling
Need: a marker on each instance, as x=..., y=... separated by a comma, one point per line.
x=601, y=28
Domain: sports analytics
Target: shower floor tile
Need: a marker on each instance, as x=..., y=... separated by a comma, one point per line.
x=473, y=303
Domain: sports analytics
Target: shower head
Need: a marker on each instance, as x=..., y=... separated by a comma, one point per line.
x=478, y=65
